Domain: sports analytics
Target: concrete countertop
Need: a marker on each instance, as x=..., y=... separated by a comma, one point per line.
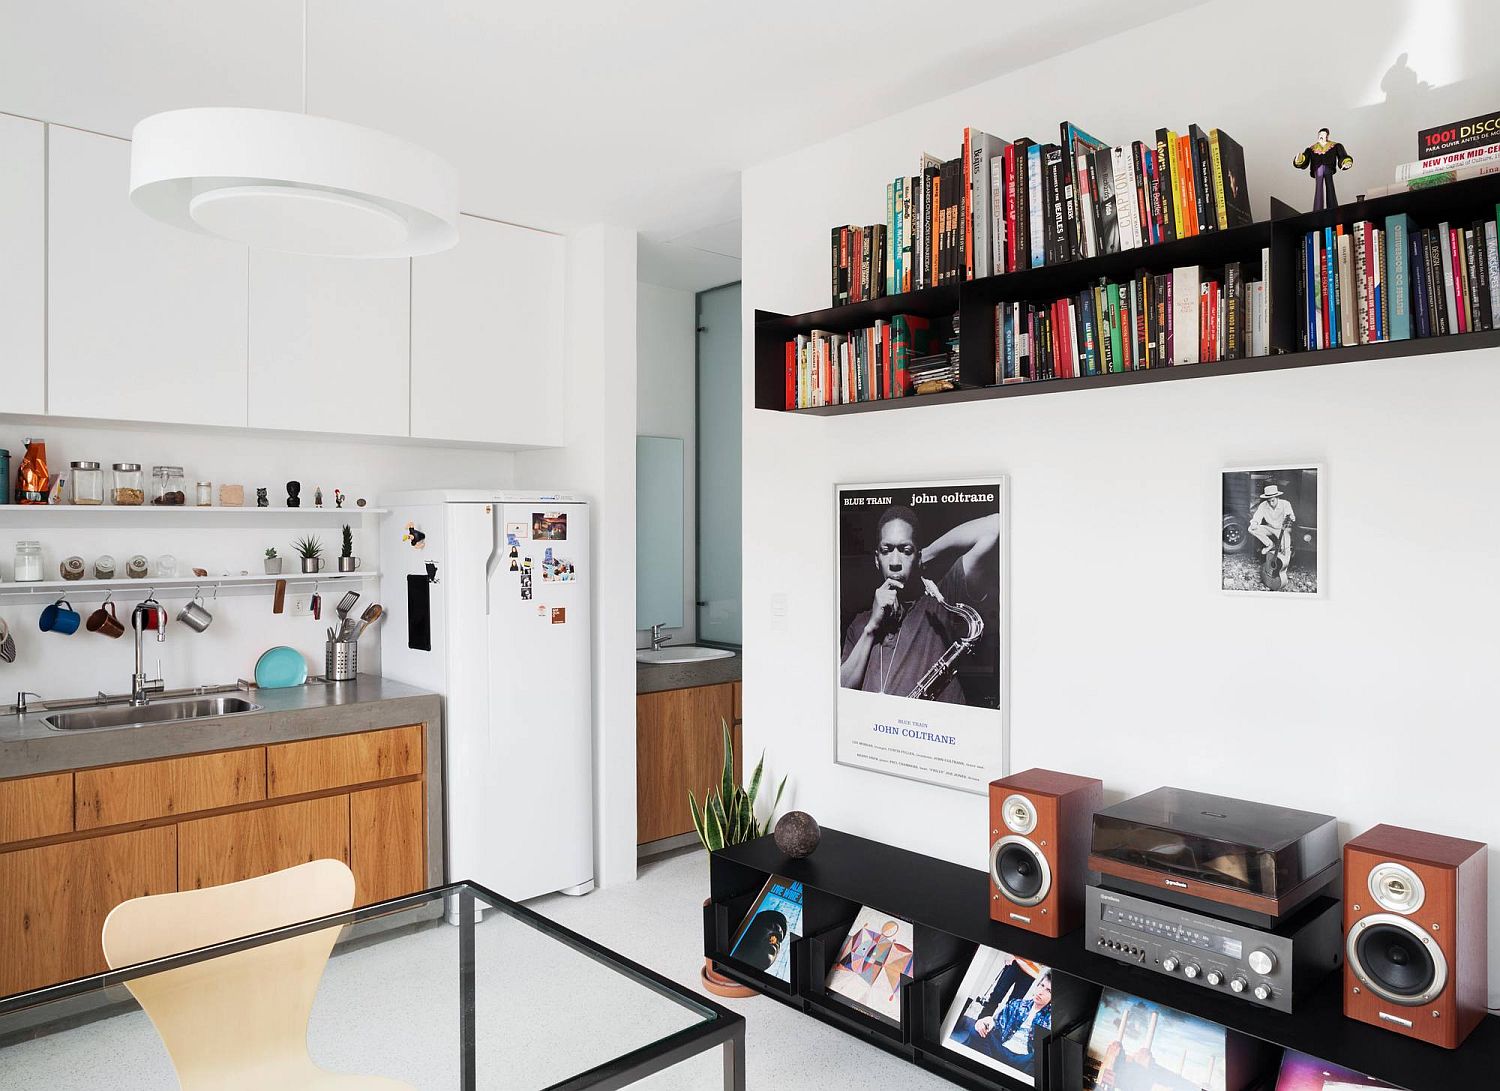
x=28, y=746
x=657, y=677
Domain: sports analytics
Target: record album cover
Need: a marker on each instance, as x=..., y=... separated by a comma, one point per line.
x=1002, y=1013
x=875, y=961
x=764, y=940
x=1137, y=1045
x=1299, y=1072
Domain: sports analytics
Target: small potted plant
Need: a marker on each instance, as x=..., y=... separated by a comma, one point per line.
x=348, y=562
x=273, y=562
x=310, y=549
x=726, y=818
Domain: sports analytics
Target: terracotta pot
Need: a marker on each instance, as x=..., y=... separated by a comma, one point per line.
x=717, y=983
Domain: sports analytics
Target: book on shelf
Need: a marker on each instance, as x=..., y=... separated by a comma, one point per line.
x=1393, y=280
x=840, y=368
x=1004, y=205
x=1458, y=136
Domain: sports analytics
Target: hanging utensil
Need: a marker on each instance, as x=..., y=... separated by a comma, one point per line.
x=347, y=603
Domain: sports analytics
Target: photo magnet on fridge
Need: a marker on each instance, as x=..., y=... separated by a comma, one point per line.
x=921, y=638
x=559, y=615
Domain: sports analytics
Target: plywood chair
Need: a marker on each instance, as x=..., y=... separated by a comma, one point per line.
x=238, y=1022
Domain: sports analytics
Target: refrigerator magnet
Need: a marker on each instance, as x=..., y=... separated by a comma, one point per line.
x=559, y=615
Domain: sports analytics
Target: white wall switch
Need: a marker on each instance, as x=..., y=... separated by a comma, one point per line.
x=301, y=606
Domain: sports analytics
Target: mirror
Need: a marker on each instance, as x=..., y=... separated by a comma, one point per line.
x=659, y=499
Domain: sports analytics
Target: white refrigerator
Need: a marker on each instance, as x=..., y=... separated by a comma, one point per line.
x=486, y=598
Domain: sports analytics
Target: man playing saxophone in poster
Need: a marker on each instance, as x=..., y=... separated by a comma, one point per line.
x=932, y=607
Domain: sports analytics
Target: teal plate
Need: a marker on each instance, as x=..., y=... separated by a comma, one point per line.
x=280, y=668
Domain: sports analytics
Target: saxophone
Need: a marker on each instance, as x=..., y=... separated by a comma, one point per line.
x=922, y=691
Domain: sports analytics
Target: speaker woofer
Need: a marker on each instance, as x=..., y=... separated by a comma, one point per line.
x=1019, y=814
x=1396, y=960
x=1020, y=870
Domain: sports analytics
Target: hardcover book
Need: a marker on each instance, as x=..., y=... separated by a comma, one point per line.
x=1459, y=135
x=1232, y=179
x=877, y=958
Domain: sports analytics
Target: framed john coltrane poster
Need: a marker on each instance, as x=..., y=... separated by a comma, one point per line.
x=922, y=642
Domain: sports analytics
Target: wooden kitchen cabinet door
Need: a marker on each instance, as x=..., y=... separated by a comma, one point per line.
x=679, y=745
x=340, y=761
x=387, y=841
x=38, y=806
x=113, y=795
x=229, y=847
x=55, y=899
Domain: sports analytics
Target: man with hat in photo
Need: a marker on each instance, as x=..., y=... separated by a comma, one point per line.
x=1272, y=516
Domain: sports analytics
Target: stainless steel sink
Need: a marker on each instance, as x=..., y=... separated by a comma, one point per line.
x=193, y=708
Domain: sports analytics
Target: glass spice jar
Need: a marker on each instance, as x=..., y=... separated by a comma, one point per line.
x=205, y=491
x=87, y=484
x=28, y=562
x=129, y=489
x=167, y=488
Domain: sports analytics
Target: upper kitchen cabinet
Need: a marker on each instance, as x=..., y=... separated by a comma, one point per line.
x=487, y=337
x=145, y=321
x=23, y=265
x=329, y=348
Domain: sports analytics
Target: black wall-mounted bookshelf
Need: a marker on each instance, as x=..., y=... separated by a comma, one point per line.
x=948, y=906
x=974, y=301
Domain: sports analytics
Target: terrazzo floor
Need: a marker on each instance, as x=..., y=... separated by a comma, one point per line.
x=544, y=1012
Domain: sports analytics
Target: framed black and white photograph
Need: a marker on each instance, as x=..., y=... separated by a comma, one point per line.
x=1271, y=529
x=921, y=631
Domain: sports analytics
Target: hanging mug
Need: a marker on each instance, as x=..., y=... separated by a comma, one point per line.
x=105, y=621
x=195, y=615
x=60, y=617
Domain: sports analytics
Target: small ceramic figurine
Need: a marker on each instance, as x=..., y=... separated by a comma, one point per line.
x=318, y=497
x=260, y=499
x=1323, y=159
x=338, y=498
x=294, y=494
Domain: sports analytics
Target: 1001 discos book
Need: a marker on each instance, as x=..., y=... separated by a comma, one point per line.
x=922, y=641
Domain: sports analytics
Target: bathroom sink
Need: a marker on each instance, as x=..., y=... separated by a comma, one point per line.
x=688, y=653
x=191, y=708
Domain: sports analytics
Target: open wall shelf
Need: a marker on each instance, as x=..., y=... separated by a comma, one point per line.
x=948, y=906
x=974, y=301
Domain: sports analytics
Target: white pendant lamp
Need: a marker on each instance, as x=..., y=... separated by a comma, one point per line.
x=285, y=181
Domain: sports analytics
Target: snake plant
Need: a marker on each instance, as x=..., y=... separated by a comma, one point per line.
x=727, y=816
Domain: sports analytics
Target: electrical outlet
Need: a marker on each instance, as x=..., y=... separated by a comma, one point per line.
x=301, y=606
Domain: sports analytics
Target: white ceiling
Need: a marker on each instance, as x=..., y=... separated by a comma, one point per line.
x=639, y=114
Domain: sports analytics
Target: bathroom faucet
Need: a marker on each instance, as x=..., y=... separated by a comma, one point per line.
x=142, y=687
x=658, y=638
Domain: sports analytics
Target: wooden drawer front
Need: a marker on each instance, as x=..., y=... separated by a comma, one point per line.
x=387, y=841
x=229, y=847
x=116, y=794
x=56, y=898
x=36, y=807
x=314, y=765
x=739, y=706
x=679, y=746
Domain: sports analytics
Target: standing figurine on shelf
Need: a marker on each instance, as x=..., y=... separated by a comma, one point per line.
x=338, y=498
x=1323, y=160
x=294, y=494
x=261, y=500
x=318, y=497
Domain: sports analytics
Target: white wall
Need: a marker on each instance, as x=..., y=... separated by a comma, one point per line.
x=1374, y=704
x=599, y=462
x=243, y=625
x=666, y=355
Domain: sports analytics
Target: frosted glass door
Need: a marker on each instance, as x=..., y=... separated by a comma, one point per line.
x=719, y=484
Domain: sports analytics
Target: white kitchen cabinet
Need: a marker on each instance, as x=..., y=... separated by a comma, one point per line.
x=145, y=321
x=329, y=343
x=487, y=337
x=23, y=265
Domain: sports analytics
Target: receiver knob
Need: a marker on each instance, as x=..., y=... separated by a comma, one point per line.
x=1238, y=984
x=1262, y=961
x=1263, y=991
x=1214, y=977
x=1170, y=964
x=1191, y=971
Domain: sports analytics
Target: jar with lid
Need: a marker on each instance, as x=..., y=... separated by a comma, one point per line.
x=28, y=562
x=129, y=488
x=167, y=487
x=87, y=485
x=205, y=494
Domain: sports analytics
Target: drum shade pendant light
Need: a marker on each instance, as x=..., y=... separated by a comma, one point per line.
x=294, y=182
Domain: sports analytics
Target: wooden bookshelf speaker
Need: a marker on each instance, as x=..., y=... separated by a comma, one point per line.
x=1415, y=933
x=1039, y=845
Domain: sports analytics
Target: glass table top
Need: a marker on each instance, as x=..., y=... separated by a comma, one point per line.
x=532, y=1005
